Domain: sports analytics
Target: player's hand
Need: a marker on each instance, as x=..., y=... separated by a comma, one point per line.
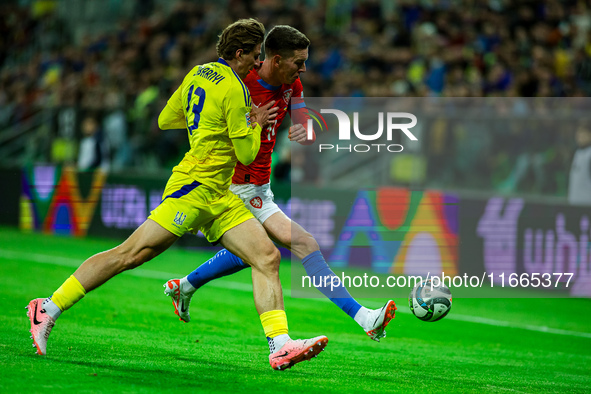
x=264, y=115
x=299, y=134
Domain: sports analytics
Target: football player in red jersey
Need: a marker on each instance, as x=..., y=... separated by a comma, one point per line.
x=277, y=80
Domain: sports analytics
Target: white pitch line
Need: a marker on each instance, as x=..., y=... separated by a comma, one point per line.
x=139, y=272
x=226, y=284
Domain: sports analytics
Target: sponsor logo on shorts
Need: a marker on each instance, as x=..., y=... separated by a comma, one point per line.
x=256, y=202
x=179, y=218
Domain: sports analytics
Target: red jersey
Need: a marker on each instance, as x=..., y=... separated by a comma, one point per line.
x=259, y=171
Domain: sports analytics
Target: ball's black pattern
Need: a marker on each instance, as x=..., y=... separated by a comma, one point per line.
x=430, y=301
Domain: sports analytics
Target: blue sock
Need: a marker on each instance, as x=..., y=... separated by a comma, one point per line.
x=316, y=267
x=222, y=264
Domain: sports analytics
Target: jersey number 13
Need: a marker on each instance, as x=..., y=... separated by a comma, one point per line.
x=197, y=108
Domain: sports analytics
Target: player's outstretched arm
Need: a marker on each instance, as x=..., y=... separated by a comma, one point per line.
x=172, y=116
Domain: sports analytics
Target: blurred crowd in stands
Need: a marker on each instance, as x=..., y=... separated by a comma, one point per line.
x=105, y=92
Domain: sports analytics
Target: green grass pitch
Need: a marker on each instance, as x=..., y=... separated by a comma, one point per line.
x=124, y=337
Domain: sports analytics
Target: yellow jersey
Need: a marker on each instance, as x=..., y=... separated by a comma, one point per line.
x=214, y=104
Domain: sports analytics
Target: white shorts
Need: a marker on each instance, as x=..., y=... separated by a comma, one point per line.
x=258, y=199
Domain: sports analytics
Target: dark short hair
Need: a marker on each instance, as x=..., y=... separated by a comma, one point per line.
x=283, y=40
x=243, y=34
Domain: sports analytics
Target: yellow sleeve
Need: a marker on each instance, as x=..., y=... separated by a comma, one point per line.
x=237, y=107
x=246, y=139
x=247, y=147
x=173, y=116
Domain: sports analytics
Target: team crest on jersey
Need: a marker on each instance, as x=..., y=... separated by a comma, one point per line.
x=287, y=95
x=256, y=202
x=179, y=218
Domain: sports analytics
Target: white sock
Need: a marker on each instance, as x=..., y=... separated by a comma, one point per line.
x=277, y=343
x=361, y=317
x=51, y=309
x=187, y=287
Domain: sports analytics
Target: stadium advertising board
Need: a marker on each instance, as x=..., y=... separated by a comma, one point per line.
x=539, y=243
x=10, y=196
x=59, y=200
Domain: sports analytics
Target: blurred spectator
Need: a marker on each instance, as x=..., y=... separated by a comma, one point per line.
x=93, y=152
x=579, y=187
x=115, y=126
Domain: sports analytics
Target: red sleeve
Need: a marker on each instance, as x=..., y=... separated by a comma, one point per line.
x=297, y=109
x=298, y=89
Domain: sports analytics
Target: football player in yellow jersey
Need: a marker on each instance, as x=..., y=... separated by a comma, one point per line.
x=214, y=105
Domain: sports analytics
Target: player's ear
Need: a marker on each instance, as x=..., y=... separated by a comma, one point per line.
x=276, y=60
x=239, y=53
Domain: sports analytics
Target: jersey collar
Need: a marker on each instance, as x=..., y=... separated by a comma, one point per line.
x=267, y=86
x=222, y=61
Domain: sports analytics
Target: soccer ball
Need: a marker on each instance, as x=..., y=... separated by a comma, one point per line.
x=430, y=304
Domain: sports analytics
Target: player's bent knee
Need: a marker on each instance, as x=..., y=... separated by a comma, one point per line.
x=269, y=261
x=273, y=259
x=310, y=243
x=305, y=244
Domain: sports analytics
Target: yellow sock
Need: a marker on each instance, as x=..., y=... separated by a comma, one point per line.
x=68, y=294
x=274, y=323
